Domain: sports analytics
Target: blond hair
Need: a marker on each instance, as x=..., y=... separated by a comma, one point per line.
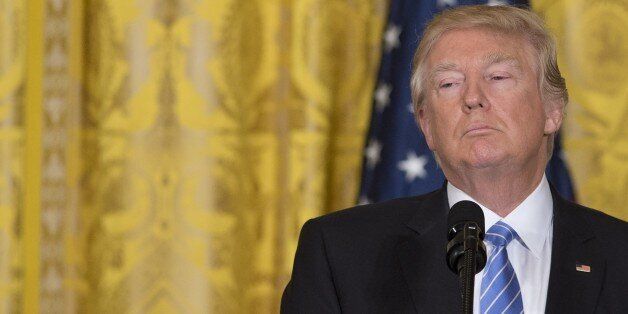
x=502, y=19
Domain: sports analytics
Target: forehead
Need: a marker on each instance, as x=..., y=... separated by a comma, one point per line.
x=480, y=46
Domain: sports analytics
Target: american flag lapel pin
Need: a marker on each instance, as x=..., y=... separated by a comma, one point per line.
x=583, y=268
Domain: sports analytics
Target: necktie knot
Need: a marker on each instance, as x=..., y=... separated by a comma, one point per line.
x=500, y=234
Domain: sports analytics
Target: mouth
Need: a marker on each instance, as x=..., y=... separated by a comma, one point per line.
x=478, y=129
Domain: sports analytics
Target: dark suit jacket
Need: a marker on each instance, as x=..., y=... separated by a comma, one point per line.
x=390, y=258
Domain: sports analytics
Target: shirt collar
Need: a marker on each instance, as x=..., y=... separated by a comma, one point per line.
x=531, y=219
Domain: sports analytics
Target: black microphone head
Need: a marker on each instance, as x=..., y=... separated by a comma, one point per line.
x=465, y=232
x=461, y=212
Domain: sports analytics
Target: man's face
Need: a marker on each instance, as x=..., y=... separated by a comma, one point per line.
x=483, y=106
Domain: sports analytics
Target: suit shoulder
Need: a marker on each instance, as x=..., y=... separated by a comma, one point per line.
x=602, y=223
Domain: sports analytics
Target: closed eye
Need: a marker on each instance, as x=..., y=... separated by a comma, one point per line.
x=498, y=77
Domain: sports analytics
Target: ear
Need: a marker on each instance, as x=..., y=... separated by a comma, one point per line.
x=424, y=119
x=553, y=117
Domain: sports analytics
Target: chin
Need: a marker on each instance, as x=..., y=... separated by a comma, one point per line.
x=486, y=159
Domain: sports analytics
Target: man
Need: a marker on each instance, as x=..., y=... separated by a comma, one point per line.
x=489, y=98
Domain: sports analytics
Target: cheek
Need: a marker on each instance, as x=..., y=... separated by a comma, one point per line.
x=443, y=116
x=527, y=122
x=445, y=126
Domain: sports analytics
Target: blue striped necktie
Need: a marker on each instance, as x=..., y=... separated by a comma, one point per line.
x=500, y=291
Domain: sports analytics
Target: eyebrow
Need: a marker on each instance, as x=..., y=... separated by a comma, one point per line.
x=497, y=57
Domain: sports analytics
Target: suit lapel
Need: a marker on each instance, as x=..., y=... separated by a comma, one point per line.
x=434, y=288
x=571, y=290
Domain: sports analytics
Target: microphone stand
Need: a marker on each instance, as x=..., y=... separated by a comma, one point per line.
x=467, y=267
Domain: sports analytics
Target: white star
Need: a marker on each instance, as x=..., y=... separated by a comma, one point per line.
x=411, y=108
x=391, y=37
x=495, y=2
x=364, y=200
x=382, y=96
x=413, y=166
x=372, y=152
x=444, y=3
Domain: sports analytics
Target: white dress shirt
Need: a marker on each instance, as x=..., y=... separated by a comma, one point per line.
x=530, y=254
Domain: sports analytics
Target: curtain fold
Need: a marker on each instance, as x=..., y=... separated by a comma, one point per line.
x=13, y=31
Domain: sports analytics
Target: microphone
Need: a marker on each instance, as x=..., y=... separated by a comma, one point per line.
x=466, y=253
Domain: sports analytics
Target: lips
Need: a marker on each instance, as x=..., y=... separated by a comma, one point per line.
x=478, y=128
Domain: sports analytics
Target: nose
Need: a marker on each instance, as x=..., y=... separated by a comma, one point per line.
x=474, y=98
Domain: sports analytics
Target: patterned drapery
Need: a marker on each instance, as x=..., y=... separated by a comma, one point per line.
x=162, y=155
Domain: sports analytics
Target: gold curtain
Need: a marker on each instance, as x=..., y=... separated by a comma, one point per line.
x=162, y=155
x=593, y=56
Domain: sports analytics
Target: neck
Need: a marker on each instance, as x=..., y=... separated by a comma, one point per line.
x=499, y=189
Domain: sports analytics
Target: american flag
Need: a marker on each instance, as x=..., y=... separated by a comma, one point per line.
x=397, y=161
x=583, y=268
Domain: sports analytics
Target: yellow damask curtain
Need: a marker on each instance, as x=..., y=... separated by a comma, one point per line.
x=162, y=155
x=593, y=56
